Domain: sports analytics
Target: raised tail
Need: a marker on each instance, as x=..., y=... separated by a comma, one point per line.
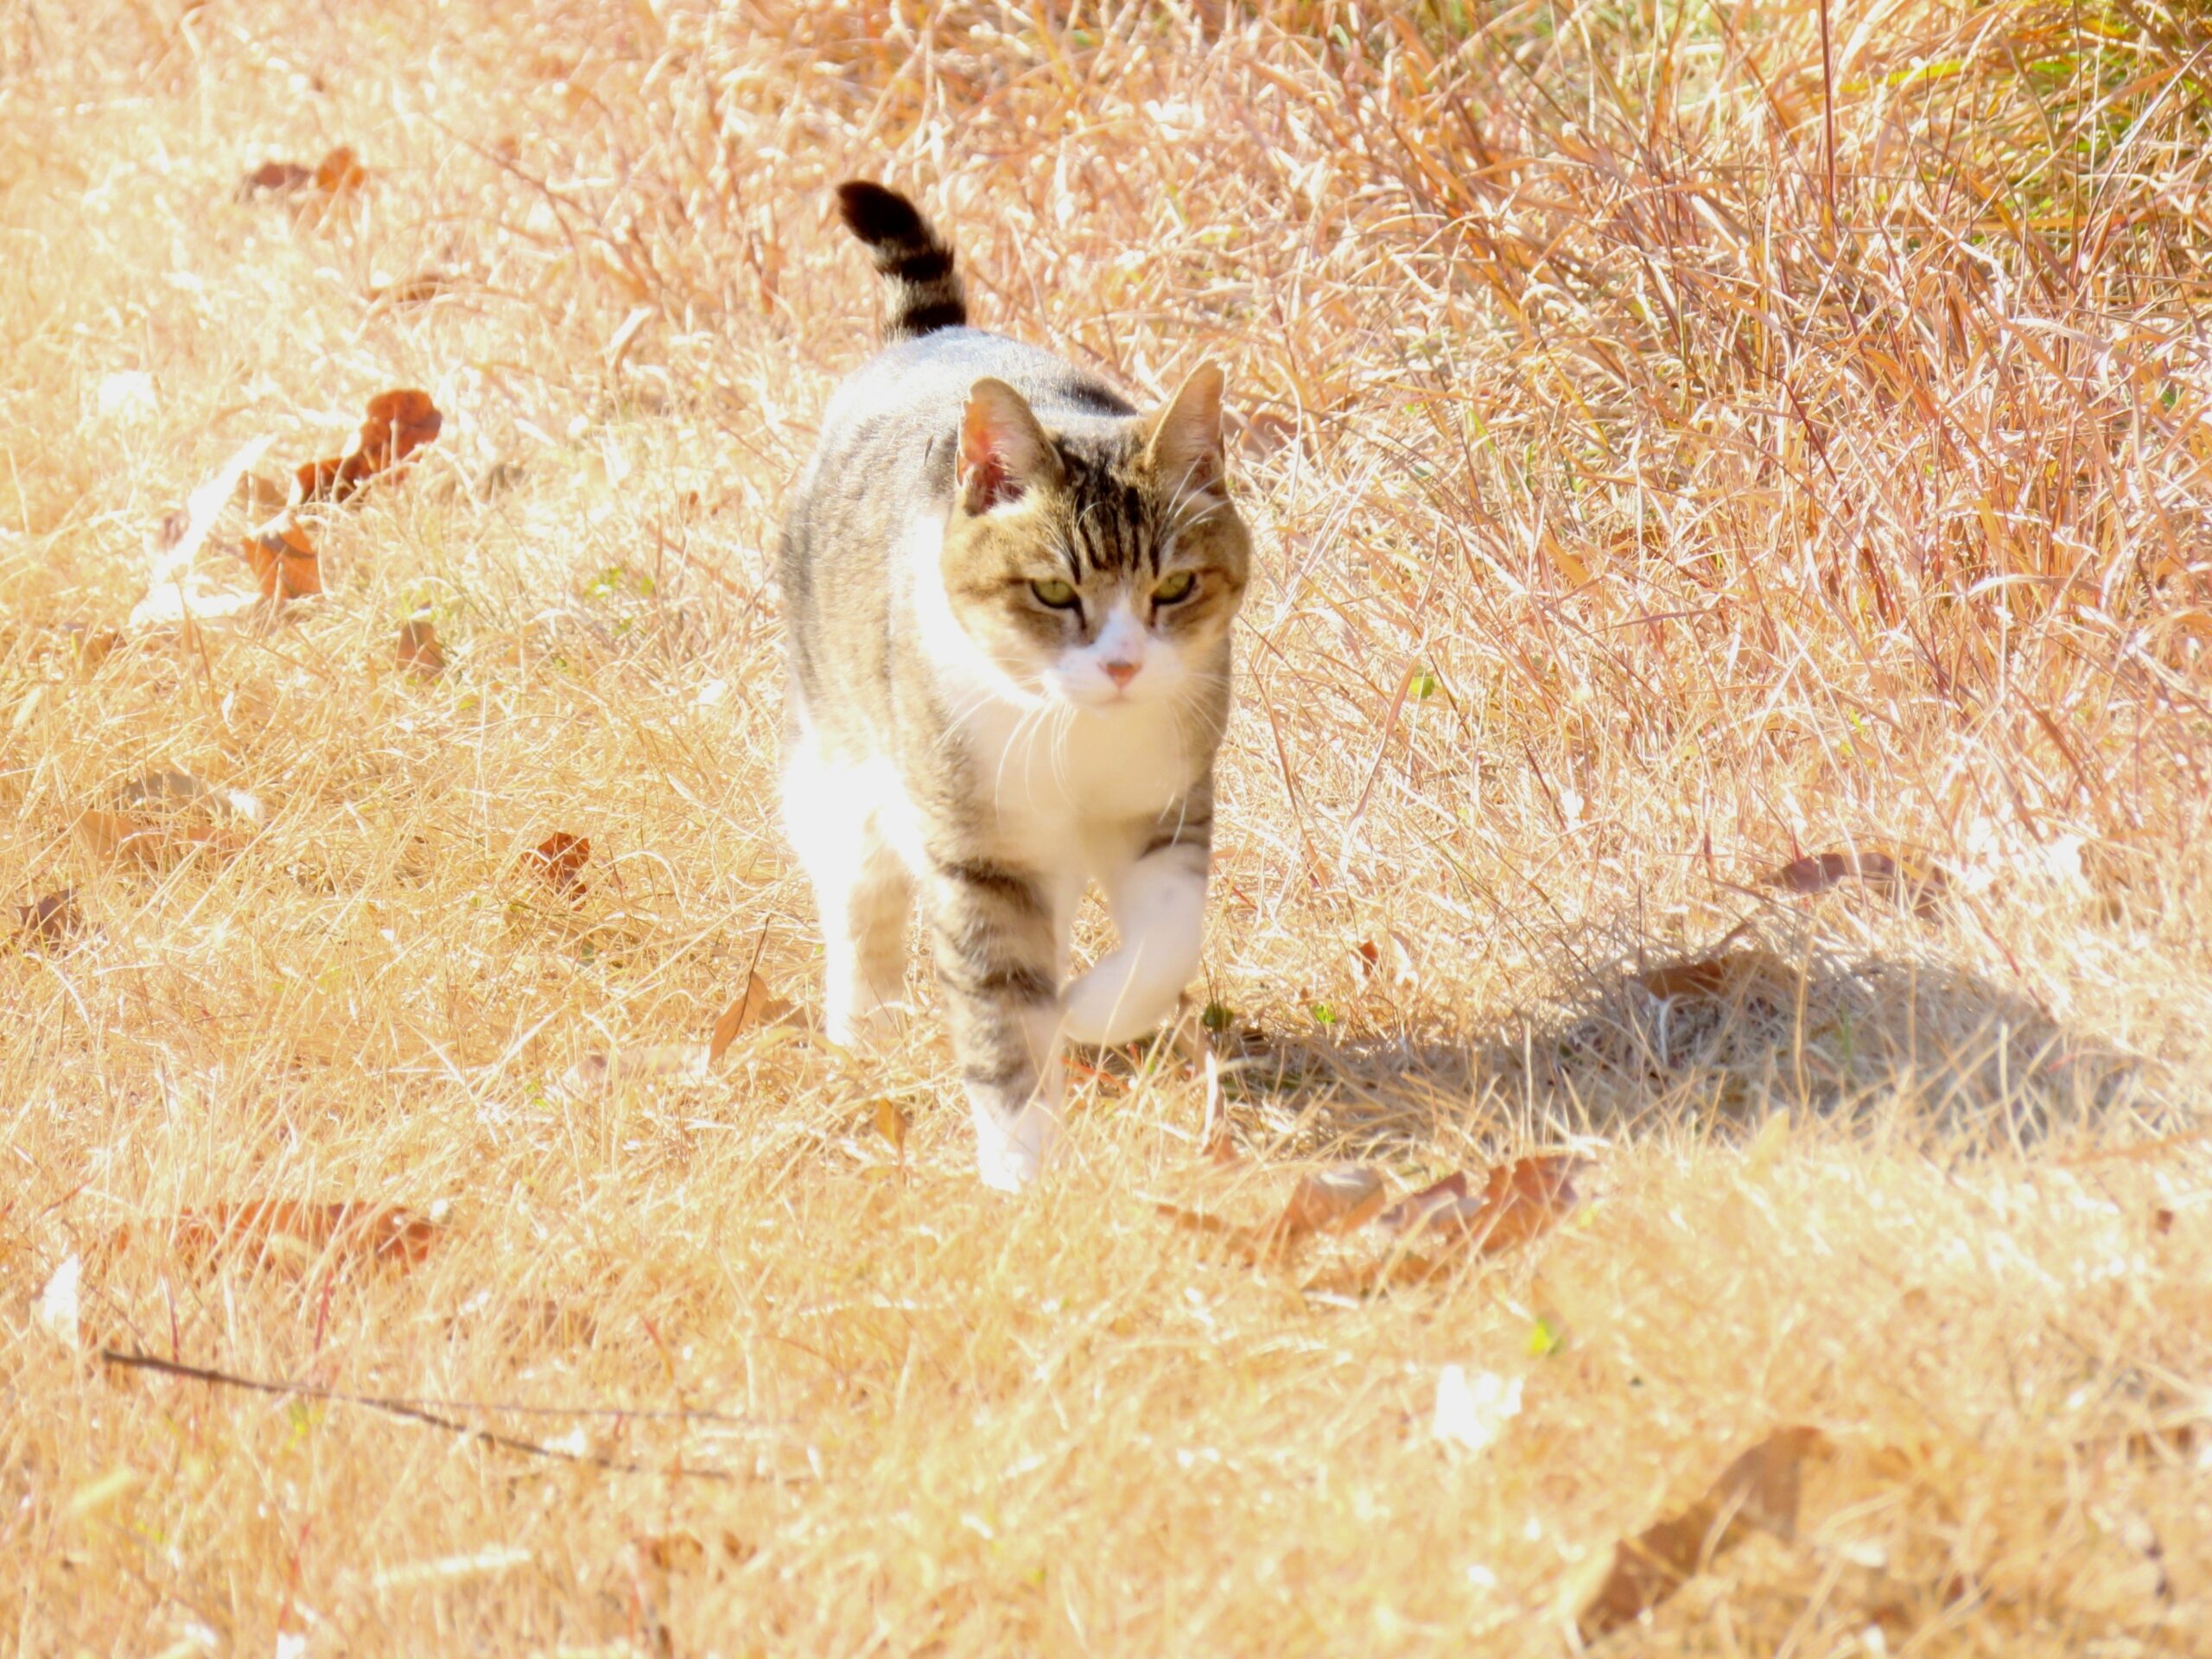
x=916, y=263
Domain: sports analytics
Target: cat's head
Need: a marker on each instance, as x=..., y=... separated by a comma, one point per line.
x=1099, y=566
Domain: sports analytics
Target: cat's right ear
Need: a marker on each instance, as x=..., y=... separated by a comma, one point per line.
x=1004, y=453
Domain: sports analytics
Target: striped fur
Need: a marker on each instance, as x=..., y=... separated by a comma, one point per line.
x=916, y=265
x=1007, y=599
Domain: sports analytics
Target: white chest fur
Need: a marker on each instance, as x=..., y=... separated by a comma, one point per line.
x=1046, y=768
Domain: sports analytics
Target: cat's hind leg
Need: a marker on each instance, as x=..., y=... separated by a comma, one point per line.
x=1156, y=893
x=862, y=891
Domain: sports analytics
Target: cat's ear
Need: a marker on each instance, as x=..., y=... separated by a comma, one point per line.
x=1004, y=453
x=1186, y=444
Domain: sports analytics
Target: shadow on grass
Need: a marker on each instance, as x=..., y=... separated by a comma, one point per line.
x=1902, y=1048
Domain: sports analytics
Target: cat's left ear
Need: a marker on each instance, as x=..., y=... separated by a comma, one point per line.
x=1185, y=445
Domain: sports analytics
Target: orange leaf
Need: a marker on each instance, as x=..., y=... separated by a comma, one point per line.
x=758, y=1007
x=419, y=651
x=892, y=1123
x=1519, y=1201
x=288, y=1235
x=340, y=171
x=559, y=861
x=1759, y=1489
x=285, y=562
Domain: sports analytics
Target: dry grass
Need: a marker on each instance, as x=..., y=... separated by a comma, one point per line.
x=1677, y=454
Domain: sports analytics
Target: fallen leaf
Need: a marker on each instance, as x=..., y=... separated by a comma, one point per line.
x=758, y=1007
x=260, y=495
x=1759, y=1489
x=1247, y=1239
x=59, y=1307
x=397, y=423
x=413, y=290
x=1472, y=1411
x=285, y=562
x=419, y=651
x=594, y=1073
x=1736, y=974
x=90, y=646
x=52, y=919
x=101, y=1490
x=892, y=1123
x=1333, y=1200
x=290, y=1234
x=1519, y=1202
x=163, y=816
x=558, y=861
x=337, y=172
x=275, y=178
x=1920, y=885
x=176, y=548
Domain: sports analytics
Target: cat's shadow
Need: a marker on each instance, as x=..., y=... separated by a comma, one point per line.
x=1903, y=1048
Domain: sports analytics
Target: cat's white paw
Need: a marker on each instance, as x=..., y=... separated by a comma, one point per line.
x=1132, y=990
x=1011, y=1154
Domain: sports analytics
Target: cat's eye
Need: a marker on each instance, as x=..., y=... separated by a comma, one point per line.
x=1059, y=595
x=1174, y=587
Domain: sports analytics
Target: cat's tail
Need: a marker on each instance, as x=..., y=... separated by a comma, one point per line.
x=915, y=262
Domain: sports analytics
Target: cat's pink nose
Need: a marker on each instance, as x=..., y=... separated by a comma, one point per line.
x=1120, y=673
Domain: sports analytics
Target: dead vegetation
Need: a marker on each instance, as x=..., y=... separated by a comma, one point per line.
x=1723, y=717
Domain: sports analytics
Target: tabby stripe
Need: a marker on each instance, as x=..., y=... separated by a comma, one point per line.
x=1010, y=886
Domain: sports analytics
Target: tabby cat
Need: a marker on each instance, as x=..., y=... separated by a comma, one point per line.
x=1007, y=596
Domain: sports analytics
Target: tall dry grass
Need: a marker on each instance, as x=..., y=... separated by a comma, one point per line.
x=1686, y=438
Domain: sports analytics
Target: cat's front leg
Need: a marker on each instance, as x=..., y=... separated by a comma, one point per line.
x=1158, y=901
x=997, y=950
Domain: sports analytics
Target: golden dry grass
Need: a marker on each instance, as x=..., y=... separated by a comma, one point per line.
x=1677, y=453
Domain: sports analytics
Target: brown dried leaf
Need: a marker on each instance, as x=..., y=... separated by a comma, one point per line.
x=52, y=919
x=397, y=423
x=1334, y=1200
x=1519, y=1202
x=1919, y=885
x=275, y=178
x=419, y=651
x=337, y=173
x=290, y=1236
x=558, y=861
x=758, y=1006
x=1759, y=1489
x=418, y=289
x=1724, y=978
x=285, y=562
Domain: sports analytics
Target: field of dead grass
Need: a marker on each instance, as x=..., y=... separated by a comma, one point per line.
x=1724, y=700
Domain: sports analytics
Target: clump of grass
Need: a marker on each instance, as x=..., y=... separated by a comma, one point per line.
x=1688, y=439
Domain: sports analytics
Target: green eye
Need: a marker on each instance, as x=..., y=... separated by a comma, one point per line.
x=1058, y=594
x=1174, y=587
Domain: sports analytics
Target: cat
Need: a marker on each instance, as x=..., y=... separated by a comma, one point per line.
x=1007, y=598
